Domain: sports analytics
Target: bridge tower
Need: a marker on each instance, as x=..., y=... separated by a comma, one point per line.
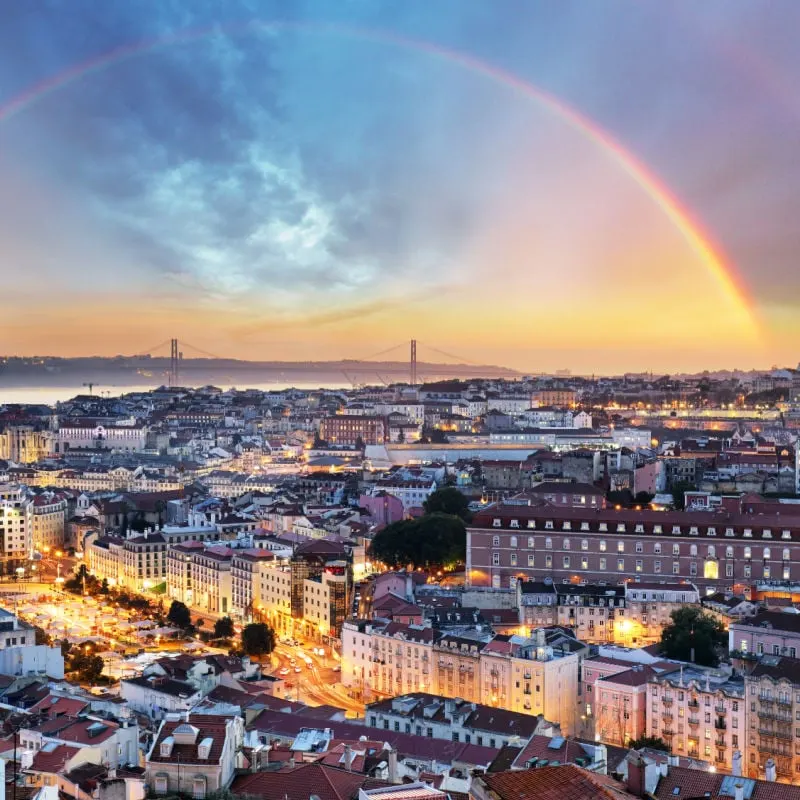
x=174, y=358
x=413, y=362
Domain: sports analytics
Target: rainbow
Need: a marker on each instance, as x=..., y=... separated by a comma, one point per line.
x=723, y=273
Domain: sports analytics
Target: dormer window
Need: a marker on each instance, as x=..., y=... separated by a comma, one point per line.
x=693, y=531
x=602, y=526
x=497, y=522
x=548, y=525
x=584, y=526
x=639, y=528
x=204, y=749
x=165, y=748
x=531, y=523
x=729, y=532
x=676, y=529
x=657, y=529
x=712, y=531
x=495, y=541
x=567, y=526
x=515, y=523
x=748, y=533
x=786, y=535
x=766, y=534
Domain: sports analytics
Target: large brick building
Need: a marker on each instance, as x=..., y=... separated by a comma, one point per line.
x=713, y=549
x=349, y=428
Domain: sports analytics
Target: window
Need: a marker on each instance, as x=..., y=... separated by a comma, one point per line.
x=711, y=569
x=584, y=544
x=513, y=541
x=513, y=559
x=566, y=544
x=531, y=560
x=693, y=550
x=787, y=573
x=161, y=784
x=584, y=562
x=548, y=562
x=786, y=556
x=676, y=549
x=620, y=546
x=548, y=543
x=567, y=526
x=747, y=570
x=602, y=563
x=602, y=545
x=495, y=559
x=566, y=562
x=530, y=542
x=767, y=553
x=657, y=548
x=639, y=547
x=497, y=522
x=676, y=567
x=621, y=527
x=621, y=564
x=495, y=541
x=748, y=553
x=639, y=565
x=712, y=551
x=729, y=552
x=729, y=570
x=514, y=523
x=657, y=529
x=693, y=568
x=495, y=581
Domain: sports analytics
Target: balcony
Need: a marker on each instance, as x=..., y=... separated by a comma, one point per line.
x=693, y=753
x=780, y=716
x=786, y=702
x=667, y=701
x=693, y=722
x=721, y=725
x=777, y=734
x=667, y=715
x=667, y=732
x=693, y=704
x=720, y=743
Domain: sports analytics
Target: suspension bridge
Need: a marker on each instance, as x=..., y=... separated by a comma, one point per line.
x=184, y=357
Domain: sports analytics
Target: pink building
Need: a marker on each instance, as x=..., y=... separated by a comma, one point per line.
x=648, y=477
x=621, y=705
x=383, y=508
x=774, y=633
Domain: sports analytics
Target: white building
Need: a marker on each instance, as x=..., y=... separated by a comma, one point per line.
x=88, y=435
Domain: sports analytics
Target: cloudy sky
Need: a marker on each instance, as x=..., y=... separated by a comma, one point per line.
x=304, y=179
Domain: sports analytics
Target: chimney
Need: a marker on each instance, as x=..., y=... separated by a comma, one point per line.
x=770, y=770
x=635, y=782
x=409, y=588
x=292, y=760
x=348, y=757
x=393, y=765
x=736, y=764
x=738, y=791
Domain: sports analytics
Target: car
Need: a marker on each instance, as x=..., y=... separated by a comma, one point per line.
x=297, y=669
x=337, y=668
x=284, y=671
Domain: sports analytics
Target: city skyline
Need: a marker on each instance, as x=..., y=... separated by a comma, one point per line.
x=599, y=189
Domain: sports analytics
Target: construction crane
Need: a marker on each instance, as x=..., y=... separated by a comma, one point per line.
x=91, y=386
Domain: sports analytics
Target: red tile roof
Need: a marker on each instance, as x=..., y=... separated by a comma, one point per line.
x=300, y=783
x=698, y=783
x=566, y=782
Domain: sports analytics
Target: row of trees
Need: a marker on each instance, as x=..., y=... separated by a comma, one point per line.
x=257, y=638
x=438, y=538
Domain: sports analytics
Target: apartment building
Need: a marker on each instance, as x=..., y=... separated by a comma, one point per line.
x=16, y=525
x=633, y=614
x=326, y=601
x=457, y=665
x=713, y=549
x=49, y=520
x=621, y=705
x=453, y=719
x=772, y=695
x=211, y=580
x=531, y=677
x=247, y=567
x=775, y=633
x=274, y=601
x=700, y=714
x=179, y=571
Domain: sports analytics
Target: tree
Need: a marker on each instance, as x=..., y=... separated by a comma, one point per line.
x=360, y=443
x=432, y=540
x=438, y=437
x=652, y=742
x=178, y=615
x=223, y=628
x=448, y=500
x=258, y=639
x=319, y=442
x=694, y=636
